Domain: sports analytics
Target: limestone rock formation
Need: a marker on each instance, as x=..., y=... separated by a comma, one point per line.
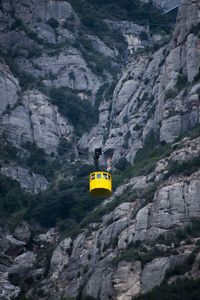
x=35, y=120
x=30, y=182
x=149, y=89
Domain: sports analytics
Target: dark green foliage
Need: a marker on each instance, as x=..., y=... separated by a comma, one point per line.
x=193, y=229
x=171, y=93
x=181, y=268
x=180, y=290
x=144, y=36
x=139, y=252
x=97, y=62
x=186, y=167
x=41, y=163
x=17, y=24
x=133, y=9
x=12, y=198
x=181, y=82
x=192, y=134
x=146, y=81
x=7, y=151
x=53, y=23
x=64, y=146
x=180, y=234
x=37, y=160
x=99, y=212
x=122, y=164
x=145, y=160
x=79, y=112
x=67, y=200
x=197, y=77
x=34, y=52
x=195, y=29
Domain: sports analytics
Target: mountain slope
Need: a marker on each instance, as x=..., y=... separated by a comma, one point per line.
x=135, y=90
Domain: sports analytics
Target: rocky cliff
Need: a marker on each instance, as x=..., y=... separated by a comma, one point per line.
x=138, y=90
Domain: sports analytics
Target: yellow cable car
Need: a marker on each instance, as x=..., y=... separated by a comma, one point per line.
x=100, y=184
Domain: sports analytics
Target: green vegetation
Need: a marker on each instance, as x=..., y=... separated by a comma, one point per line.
x=185, y=168
x=98, y=63
x=183, y=267
x=7, y=151
x=181, y=82
x=12, y=199
x=174, y=238
x=191, y=134
x=96, y=216
x=39, y=162
x=122, y=164
x=79, y=112
x=53, y=23
x=65, y=203
x=195, y=29
x=171, y=93
x=145, y=159
x=144, y=36
x=197, y=77
x=92, y=12
x=136, y=251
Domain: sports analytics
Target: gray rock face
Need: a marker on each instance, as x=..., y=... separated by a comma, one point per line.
x=86, y=266
x=153, y=273
x=11, y=246
x=9, y=88
x=90, y=263
x=173, y=206
x=7, y=290
x=51, y=237
x=60, y=257
x=36, y=120
x=126, y=280
x=22, y=232
x=66, y=69
x=167, y=5
x=31, y=182
x=22, y=266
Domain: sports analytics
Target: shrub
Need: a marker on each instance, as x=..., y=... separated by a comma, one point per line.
x=122, y=164
x=186, y=167
x=80, y=112
x=17, y=24
x=181, y=82
x=8, y=151
x=139, y=253
x=171, y=93
x=64, y=146
x=53, y=23
x=12, y=198
x=181, y=268
x=197, y=77
x=195, y=29
x=144, y=36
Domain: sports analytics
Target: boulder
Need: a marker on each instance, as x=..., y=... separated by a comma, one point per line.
x=22, y=232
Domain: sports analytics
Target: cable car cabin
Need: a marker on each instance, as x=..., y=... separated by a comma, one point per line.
x=100, y=184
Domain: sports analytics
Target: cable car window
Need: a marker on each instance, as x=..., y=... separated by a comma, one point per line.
x=92, y=176
x=105, y=176
x=108, y=177
x=98, y=175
